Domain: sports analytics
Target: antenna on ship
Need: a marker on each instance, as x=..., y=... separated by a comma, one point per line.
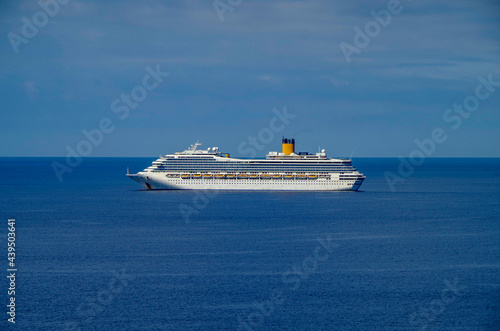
x=350, y=158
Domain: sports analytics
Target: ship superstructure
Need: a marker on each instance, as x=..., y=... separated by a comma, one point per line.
x=286, y=170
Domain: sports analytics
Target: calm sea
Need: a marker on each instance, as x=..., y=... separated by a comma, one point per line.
x=96, y=252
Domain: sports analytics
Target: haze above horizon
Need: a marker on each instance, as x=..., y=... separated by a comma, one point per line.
x=127, y=79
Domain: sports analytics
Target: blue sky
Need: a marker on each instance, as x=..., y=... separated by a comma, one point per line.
x=226, y=76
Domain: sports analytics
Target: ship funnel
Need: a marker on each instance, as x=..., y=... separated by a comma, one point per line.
x=288, y=146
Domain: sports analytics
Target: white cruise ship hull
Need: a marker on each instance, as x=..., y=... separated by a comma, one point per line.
x=195, y=169
x=154, y=181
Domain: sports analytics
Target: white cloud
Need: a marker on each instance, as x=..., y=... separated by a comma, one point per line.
x=270, y=79
x=31, y=90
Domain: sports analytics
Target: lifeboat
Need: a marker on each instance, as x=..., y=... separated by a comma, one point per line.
x=288, y=176
x=301, y=177
x=265, y=176
x=197, y=176
x=208, y=176
x=312, y=176
x=254, y=176
x=230, y=176
x=220, y=176
x=185, y=176
x=242, y=176
x=276, y=176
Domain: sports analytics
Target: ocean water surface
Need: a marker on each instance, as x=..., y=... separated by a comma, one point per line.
x=95, y=252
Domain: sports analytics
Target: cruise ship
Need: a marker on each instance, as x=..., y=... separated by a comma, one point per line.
x=197, y=169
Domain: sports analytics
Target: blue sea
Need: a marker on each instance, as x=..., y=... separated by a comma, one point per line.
x=95, y=252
